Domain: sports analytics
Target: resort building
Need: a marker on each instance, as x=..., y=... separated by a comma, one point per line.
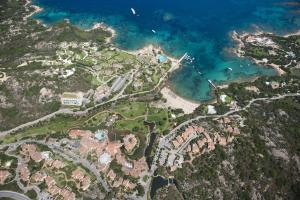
x=101, y=92
x=130, y=142
x=71, y=99
x=118, y=84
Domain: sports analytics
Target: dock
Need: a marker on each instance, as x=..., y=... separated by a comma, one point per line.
x=210, y=82
x=182, y=58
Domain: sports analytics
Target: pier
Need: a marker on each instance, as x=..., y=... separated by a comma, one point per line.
x=182, y=58
x=210, y=82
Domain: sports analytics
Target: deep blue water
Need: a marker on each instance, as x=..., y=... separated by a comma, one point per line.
x=199, y=27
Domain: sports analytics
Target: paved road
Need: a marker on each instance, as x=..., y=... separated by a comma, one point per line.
x=69, y=155
x=164, y=140
x=66, y=154
x=84, y=112
x=13, y=195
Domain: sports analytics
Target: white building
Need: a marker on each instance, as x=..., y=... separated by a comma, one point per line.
x=71, y=99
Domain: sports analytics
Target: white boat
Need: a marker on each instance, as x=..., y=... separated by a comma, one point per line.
x=229, y=68
x=133, y=11
x=153, y=31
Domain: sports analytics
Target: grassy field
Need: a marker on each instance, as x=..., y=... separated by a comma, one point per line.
x=160, y=117
x=136, y=125
x=130, y=110
x=59, y=124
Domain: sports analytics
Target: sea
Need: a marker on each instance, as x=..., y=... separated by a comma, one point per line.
x=199, y=27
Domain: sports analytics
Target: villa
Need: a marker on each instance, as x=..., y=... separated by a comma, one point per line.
x=130, y=142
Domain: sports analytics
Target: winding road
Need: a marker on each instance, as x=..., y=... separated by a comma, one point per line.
x=13, y=195
x=164, y=140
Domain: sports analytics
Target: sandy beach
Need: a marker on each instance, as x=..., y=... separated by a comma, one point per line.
x=177, y=102
x=274, y=66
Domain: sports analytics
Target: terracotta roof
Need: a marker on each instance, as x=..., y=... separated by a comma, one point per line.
x=118, y=183
x=226, y=120
x=4, y=174
x=54, y=190
x=188, y=131
x=76, y=133
x=130, y=142
x=139, y=166
x=175, y=143
x=67, y=194
x=49, y=181
x=111, y=174
x=113, y=148
x=236, y=131
x=31, y=151
x=127, y=184
x=195, y=148
x=24, y=172
x=84, y=181
x=57, y=164
x=201, y=143
x=199, y=129
x=38, y=177
x=179, y=140
x=189, y=148
x=77, y=174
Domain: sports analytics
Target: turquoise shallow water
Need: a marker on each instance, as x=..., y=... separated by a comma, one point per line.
x=199, y=27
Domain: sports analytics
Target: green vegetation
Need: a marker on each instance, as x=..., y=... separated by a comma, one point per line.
x=160, y=117
x=9, y=112
x=60, y=125
x=32, y=91
x=8, y=163
x=258, y=52
x=286, y=51
x=131, y=109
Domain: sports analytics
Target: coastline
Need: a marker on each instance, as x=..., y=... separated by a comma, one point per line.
x=175, y=62
x=177, y=102
x=240, y=45
x=292, y=34
x=36, y=9
x=105, y=27
x=175, y=99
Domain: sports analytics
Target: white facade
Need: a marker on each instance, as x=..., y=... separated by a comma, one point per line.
x=71, y=99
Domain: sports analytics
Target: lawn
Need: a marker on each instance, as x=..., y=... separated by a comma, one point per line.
x=136, y=125
x=160, y=118
x=130, y=110
x=59, y=124
x=97, y=119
